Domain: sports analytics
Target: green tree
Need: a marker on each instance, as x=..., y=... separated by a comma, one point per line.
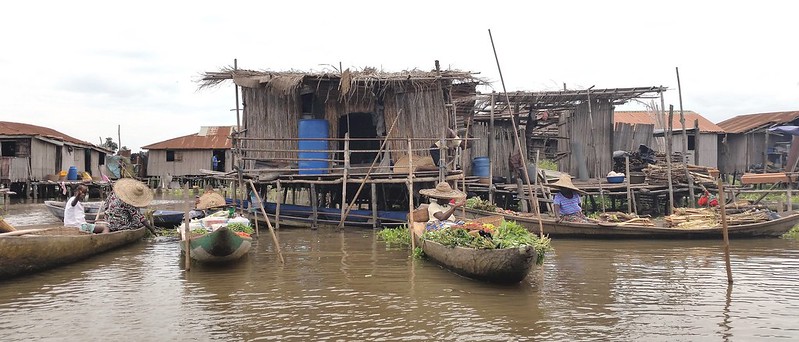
x=110, y=144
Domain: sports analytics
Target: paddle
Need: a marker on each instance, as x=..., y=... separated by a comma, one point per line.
x=5, y=227
x=24, y=231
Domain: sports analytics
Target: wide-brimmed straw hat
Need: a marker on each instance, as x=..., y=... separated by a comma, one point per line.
x=443, y=190
x=210, y=200
x=565, y=182
x=133, y=192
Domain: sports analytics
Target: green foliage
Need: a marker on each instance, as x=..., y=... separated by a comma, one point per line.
x=508, y=235
x=546, y=164
x=168, y=232
x=792, y=234
x=396, y=236
x=418, y=253
x=110, y=144
x=480, y=204
x=199, y=231
x=240, y=227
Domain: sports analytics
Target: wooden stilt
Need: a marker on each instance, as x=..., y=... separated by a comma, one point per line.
x=373, y=187
x=668, y=158
x=268, y=223
x=281, y=196
x=409, y=184
x=314, y=207
x=725, y=234
x=629, y=191
x=186, y=229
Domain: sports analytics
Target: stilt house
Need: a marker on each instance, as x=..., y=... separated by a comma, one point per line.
x=747, y=143
x=33, y=153
x=209, y=149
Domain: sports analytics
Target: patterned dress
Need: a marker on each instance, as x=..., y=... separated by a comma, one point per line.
x=121, y=216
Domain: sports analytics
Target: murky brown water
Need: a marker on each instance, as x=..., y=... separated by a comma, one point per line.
x=350, y=286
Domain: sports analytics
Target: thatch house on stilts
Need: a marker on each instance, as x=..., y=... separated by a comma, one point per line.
x=320, y=132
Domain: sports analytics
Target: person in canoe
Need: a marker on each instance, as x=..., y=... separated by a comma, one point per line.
x=122, y=206
x=209, y=201
x=74, y=214
x=567, y=202
x=444, y=200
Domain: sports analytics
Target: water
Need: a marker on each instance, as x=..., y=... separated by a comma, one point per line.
x=350, y=286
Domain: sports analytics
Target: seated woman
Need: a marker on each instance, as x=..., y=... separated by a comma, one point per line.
x=442, y=208
x=567, y=201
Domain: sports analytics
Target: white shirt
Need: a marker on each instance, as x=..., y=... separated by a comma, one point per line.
x=434, y=207
x=74, y=216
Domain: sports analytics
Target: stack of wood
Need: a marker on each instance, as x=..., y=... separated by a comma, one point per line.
x=625, y=218
x=658, y=174
x=690, y=218
x=676, y=157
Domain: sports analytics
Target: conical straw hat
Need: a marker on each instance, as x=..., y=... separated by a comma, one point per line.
x=133, y=192
x=565, y=182
x=443, y=190
x=210, y=200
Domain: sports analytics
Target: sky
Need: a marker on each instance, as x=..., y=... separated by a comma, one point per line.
x=89, y=68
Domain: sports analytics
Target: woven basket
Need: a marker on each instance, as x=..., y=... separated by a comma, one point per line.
x=496, y=220
x=421, y=214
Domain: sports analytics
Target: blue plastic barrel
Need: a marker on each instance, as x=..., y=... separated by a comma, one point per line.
x=72, y=174
x=313, y=128
x=481, y=166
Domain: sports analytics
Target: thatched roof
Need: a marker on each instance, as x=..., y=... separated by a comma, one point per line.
x=348, y=80
x=564, y=99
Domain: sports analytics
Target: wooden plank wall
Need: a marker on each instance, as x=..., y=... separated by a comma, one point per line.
x=627, y=137
x=502, y=147
x=191, y=163
x=580, y=131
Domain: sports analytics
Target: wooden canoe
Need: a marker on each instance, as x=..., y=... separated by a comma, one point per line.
x=221, y=245
x=509, y=265
x=46, y=248
x=161, y=218
x=773, y=228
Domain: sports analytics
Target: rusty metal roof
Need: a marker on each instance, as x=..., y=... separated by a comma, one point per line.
x=23, y=129
x=642, y=117
x=749, y=122
x=213, y=137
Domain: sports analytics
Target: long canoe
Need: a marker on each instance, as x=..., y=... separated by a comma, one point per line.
x=773, y=228
x=27, y=252
x=509, y=265
x=161, y=218
x=221, y=245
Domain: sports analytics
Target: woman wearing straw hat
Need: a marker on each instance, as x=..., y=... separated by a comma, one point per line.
x=122, y=206
x=208, y=201
x=567, y=201
x=443, y=202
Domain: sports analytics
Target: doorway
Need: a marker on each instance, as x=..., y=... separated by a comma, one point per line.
x=359, y=126
x=87, y=162
x=218, y=160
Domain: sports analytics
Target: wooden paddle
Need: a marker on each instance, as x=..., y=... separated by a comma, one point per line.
x=5, y=227
x=24, y=231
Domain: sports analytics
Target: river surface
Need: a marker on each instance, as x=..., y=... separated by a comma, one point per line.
x=350, y=286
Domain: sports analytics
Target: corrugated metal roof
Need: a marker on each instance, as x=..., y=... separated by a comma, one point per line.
x=748, y=122
x=23, y=129
x=642, y=117
x=210, y=137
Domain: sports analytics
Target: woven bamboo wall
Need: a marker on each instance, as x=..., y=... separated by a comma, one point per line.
x=423, y=116
x=502, y=147
x=579, y=130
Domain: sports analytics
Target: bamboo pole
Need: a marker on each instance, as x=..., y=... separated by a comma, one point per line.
x=371, y=167
x=409, y=184
x=280, y=198
x=685, y=145
x=724, y=232
x=237, y=144
x=697, y=142
x=668, y=158
x=516, y=139
x=345, y=174
x=765, y=153
x=268, y=223
x=629, y=191
x=186, y=230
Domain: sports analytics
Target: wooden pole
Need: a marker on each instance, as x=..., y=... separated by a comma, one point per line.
x=668, y=158
x=371, y=167
x=765, y=153
x=463, y=162
x=409, y=184
x=697, y=141
x=596, y=154
x=373, y=188
x=724, y=232
x=268, y=223
x=629, y=191
x=314, y=206
x=685, y=146
x=280, y=198
x=186, y=229
x=237, y=145
x=516, y=138
x=490, y=147
x=119, y=139
x=344, y=178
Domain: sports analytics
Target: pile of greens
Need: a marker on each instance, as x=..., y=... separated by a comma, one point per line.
x=240, y=227
x=480, y=204
x=508, y=235
x=396, y=236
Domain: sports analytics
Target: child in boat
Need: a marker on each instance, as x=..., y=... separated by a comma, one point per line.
x=567, y=202
x=74, y=214
x=443, y=202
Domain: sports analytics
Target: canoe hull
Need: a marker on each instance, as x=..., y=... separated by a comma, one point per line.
x=31, y=253
x=774, y=228
x=161, y=218
x=510, y=265
x=221, y=245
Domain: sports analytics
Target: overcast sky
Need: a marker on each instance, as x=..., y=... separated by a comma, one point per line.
x=84, y=67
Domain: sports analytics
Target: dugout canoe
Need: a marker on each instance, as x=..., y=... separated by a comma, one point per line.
x=24, y=252
x=161, y=218
x=508, y=265
x=221, y=245
x=772, y=228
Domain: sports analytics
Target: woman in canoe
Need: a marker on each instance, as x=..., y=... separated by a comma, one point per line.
x=122, y=206
x=567, y=202
x=443, y=202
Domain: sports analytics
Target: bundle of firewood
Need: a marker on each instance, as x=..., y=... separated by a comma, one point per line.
x=692, y=218
x=658, y=174
x=624, y=218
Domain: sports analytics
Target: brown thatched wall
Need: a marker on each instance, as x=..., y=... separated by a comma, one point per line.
x=421, y=113
x=272, y=114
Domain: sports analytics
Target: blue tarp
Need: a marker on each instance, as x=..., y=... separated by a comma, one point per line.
x=792, y=130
